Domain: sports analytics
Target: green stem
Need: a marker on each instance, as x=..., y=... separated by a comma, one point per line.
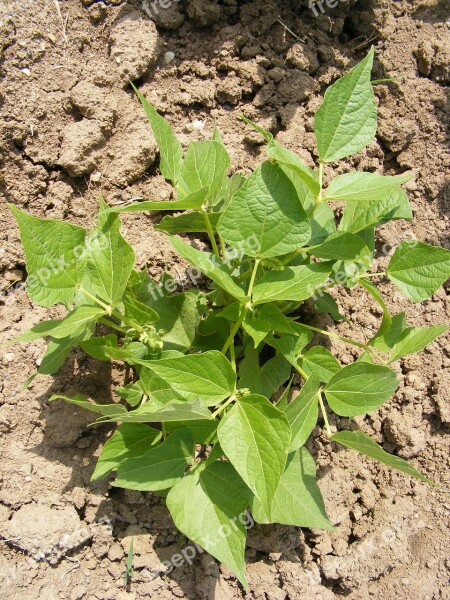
x=302, y=372
x=221, y=408
x=111, y=324
x=106, y=307
x=319, y=197
x=336, y=336
x=210, y=233
x=233, y=354
x=324, y=415
x=245, y=309
x=127, y=321
x=381, y=274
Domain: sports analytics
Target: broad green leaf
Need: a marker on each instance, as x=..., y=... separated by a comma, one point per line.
x=322, y=224
x=290, y=160
x=360, y=388
x=132, y=393
x=204, y=166
x=340, y=246
x=255, y=436
x=298, y=500
x=291, y=346
x=212, y=333
x=202, y=431
x=208, y=375
x=283, y=400
x=177, y=411
x=160, y=467
x=361, y=186
x=414, y=339
x=208, y=506
x=103, y=409
x=302, y=413
x=325, y=303
x=386, y=322
x=360, y=215
x=386, y=337
x=192, y=202
x=169, y=147
x=292, y=283
x=211, y=266
x=320, y=361
x=139, y=312
x=59, y=349
x=128, y=441
x=96, y=346
x=179, y=318
x=265, y=218
x=188, y=223
x=361, y=442
x=419, y=269
x=347, y=119
x=55, y=258
x=110, y=258
x=269, y=318
x=266, y=379
x=73, y=324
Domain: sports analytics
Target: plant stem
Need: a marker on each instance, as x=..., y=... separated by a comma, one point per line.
x=245, y=309
x=302, y=372
x=129, y=322
x=210, y=233
x=106, y=307
x=319, y=197
x=233, y=354
x=381, y=274
x=221, y=408
x=324, y=414
x=336, y=336
x=111, y=324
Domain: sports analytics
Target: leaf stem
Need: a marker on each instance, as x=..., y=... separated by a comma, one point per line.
x=336, y=336
x=253, y=277
x=223, y=406
x=106, y=307
x=324, y=414
x=129, y=322
x=319, y=197
x=233, y=354
x=381, y=274
x=210, y=233
x=111, y=324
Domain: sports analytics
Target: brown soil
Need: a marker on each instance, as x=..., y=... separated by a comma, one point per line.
x=71, y=129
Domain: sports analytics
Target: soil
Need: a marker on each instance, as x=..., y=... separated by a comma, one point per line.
x=72, y=129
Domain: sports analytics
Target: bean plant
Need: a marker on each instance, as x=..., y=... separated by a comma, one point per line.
x=209, y=419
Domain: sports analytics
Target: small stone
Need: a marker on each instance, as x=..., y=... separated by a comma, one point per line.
x=8, y=357
x=26, y=71
x=276, y=74
x=168, y=57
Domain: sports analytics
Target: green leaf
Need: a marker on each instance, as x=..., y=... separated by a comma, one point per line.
x=179, y=318
x=265, y=218
x=103, y=409
x=110, y=258
x=169, y=147
x=360, y=388
x=266, y=379
x=255, y=436
x=322, y=224
x=325, y=303
x=192, y=202
x=59, y=349
x=290, y=160
x=139, y=312
x=361, y=442
x=97, y=346
x=419, y=269
x=269, y=318
x=298, y=500
x=386, y=337
x=73, y=324
x=283, y=400
x=347, y=118
x=340, y=246
x=361, y=215
x=204, y=166
x=202, y=431
x=160, y=467
x=302, y=413
x=188, y=223
x=292, y=283
x=176, y=411
x=414, y=339
x=361, y=186
x=387, y=320
x=55, y=257
x=320, y=361
x=211, y=266
x=209, y=375
x=208, y=506
x=291, y=346
x=132, y=393
x=128, y=441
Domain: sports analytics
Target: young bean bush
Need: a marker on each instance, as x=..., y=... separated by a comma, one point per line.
x=200, y=424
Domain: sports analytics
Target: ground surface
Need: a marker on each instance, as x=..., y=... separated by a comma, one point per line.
x=72, y=129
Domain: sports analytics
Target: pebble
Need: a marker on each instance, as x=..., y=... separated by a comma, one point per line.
x=8, y=357
x=26, y=71
x=168, y=57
